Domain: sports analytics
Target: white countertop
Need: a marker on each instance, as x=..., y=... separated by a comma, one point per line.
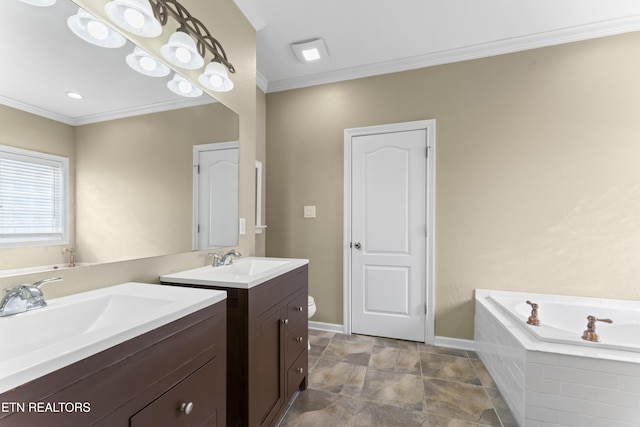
x=77, y=326
x=244, y=273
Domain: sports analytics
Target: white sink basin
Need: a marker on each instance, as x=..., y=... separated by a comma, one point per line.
x=244, y=273
x=77, y=326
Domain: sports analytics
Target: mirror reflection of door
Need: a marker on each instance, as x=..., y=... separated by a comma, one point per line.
x=215, y=195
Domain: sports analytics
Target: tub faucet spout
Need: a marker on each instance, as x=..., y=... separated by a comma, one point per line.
x=590, y=333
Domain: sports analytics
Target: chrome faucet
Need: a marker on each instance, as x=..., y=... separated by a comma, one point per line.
x=220, y=260
x=24, y=298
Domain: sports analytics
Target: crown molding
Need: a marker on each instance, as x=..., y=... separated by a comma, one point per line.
x=261, y=82
x=249, y=10
x=111, y=115
x=18, y=105
x=500, y=47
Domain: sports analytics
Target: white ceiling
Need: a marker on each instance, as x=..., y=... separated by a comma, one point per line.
x=369, y=37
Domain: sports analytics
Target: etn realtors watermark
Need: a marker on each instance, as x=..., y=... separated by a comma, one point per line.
x=45, y=407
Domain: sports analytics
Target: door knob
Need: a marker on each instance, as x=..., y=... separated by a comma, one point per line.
x=357, y=245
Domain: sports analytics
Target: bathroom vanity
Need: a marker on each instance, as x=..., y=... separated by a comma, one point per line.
x=172, y=374
x=267, y=333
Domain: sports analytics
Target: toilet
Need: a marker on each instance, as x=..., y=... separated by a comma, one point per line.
x=312, y=307
x=311, y=312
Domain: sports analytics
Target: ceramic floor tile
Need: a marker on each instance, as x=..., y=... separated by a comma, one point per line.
x=395, y=389
x=319, y=342
x=315, y=408
x=396, y=359
x=483, y=374
x=338, y=377
x=356, y=352
x=389, y=342
x=466, y=402
x=358, y=380
x=504, y=413
x=372, y=414
x=448, y=368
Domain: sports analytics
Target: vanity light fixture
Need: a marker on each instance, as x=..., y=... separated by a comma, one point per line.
x=135, y=16
x=42, y=3
x=181, y=50
x=187, y=47
x=179, y=85
x=92, y=30
x=215, y=77
x=310, y=50
x=146, y=64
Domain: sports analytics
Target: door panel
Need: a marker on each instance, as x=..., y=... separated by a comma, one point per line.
x=388, y=231
x=217, y=186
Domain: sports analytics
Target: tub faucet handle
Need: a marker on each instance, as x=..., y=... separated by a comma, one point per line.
x=590, y=333
x=533, y=319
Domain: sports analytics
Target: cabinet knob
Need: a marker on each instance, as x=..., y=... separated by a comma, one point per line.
x=285, y=321
x=300, y=370
x=186, y=408
x=299, y=308
x=299, y=339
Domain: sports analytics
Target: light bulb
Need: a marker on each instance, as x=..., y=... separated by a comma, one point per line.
x=98, y=30
x=185, y=87
x=183, y=55
x=148, y=64
x=216, y=81
x=134, y=18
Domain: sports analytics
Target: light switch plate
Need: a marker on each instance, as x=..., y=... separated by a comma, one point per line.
x=309, y=211
x=243, y=226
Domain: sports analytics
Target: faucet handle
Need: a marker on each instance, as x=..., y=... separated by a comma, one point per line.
x=39, y=283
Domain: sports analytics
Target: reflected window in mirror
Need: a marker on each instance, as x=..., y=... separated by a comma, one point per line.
x=34, y=190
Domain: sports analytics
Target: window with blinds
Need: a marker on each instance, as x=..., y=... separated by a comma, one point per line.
x=33, y=198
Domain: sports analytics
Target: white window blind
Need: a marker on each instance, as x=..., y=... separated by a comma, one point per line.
x=33, y=198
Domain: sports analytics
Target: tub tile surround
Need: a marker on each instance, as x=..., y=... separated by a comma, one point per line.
x=358, y=380
x=544, y=387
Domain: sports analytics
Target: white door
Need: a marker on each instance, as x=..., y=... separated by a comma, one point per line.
x=388, y=227
x=217, y=197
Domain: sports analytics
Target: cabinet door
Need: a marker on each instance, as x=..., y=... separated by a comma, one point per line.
x=266, y=393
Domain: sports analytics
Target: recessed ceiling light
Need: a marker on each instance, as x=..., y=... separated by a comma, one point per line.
x=310, y=51
x=74, y=95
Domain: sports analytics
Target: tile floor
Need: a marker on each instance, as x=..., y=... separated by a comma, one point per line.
x=366, y=381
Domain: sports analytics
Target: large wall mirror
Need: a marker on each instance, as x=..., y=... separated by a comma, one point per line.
x=129, y=140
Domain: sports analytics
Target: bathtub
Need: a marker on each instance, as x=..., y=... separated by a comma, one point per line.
x=548, y=374
x=40, y=269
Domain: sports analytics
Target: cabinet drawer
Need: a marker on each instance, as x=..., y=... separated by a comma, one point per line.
x=196, y=389
x=297, y=373
x=297, y=340
x=297, y=310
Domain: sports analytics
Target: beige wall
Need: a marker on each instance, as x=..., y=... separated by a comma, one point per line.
x=31, y=132
x=134, y=188
x=236, y=34
x=538, y=177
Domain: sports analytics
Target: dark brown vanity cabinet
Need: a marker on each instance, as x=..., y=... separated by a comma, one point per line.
x=267, y=335
x=151, y=380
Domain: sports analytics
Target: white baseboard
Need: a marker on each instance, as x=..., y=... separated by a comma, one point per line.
x=457, y=343
x=328, y=327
